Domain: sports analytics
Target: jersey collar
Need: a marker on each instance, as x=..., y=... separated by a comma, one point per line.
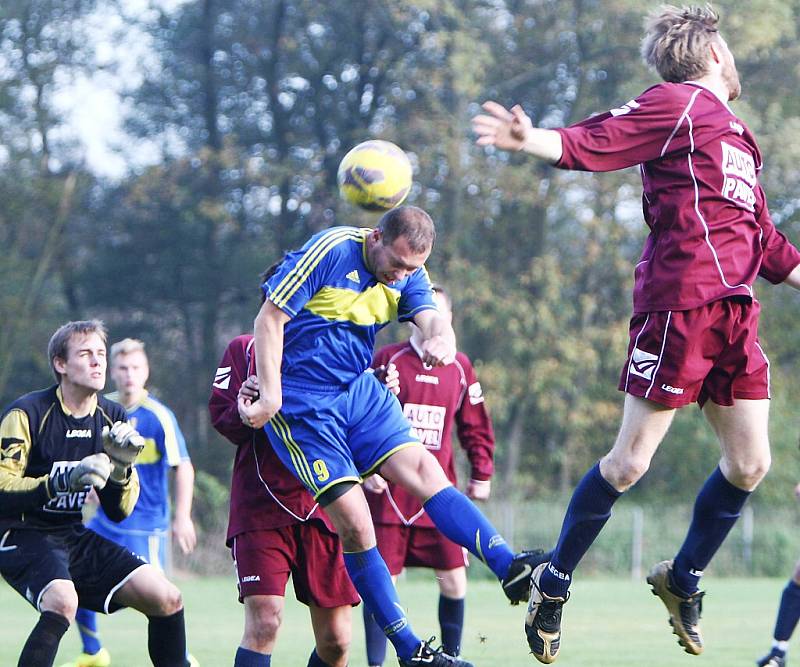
x=66, y=410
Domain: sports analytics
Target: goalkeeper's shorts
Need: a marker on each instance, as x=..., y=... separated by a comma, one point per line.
x=32, y=559
x=329, y=434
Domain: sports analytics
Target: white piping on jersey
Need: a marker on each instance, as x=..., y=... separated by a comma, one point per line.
x=253, y=443
x=769, y=376
x=406, y=522
x=635, y=345
x=703, y=220
x=660, y=355
x=685, y=114
x=3, y=546
x=166, y=419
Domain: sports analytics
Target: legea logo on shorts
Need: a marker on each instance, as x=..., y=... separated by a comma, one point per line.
x=643, y=363
x=250, y=578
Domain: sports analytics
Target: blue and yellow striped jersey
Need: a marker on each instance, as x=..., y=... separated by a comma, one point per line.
x=164, y=448
x=337, y=306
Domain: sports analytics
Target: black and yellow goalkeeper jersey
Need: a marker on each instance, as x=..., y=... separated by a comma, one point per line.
x=39, y=437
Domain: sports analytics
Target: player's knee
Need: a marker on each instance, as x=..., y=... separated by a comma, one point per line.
x=170, y=601
x=746, y=474
x=262, y=625
x=333, y=644
x=624, y=473
x=61, y=599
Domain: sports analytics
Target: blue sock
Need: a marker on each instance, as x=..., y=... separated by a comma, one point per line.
x=372, y=580
x=788, y=612
x=376, y=640
x=588, y=511
x=459, y=520
x=247, y=658
x=451, y=621
x=87, y=626
x=716, y=509
x=315, y=661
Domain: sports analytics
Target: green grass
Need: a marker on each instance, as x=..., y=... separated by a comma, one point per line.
x=607, y=623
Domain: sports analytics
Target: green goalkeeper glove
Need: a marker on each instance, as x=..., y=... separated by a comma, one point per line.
x=122, y=443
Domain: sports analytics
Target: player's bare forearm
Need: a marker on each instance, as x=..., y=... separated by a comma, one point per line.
x=438, y=338
x=793, y=279
x=268, y=343
x=182, y=526
x=512, y=130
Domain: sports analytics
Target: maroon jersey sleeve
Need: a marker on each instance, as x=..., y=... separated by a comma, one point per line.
x=474, y=426
x=381, y=357
x=779, y=255
x=648, y=127
x=222, y=405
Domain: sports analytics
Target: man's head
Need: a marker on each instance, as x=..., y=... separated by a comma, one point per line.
x=684, y=44
x=129, y=369
x=77, y=354
x=400, y=244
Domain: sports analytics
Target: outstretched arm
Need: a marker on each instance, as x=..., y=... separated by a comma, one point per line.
x=513, y=131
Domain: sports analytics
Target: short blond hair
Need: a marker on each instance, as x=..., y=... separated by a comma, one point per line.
x=127, y=346
x=676, y=41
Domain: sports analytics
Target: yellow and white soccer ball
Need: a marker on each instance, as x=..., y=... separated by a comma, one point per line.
x=375, y=175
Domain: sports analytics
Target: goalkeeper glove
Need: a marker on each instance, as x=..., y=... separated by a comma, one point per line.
x=92, y=470
x=122, y=443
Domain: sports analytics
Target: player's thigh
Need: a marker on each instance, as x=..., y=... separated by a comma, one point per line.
x=351, y=516
x=263, y=561
x=644, y=425
x=742, y=430
x=416, y=470
x=309, y=435
x=147, y=590
x=378, y=429
x=33, y=562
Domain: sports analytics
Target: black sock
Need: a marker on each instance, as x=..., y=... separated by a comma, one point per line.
x=166, y=640
x=42, y=645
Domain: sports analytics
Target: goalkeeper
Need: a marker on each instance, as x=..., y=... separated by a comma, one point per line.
x=55, y=446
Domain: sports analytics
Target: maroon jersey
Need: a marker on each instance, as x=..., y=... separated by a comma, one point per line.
x=264, y=494
x=432, y=399
x=710, y=229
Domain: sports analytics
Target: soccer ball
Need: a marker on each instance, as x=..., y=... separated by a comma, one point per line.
x=375, y=175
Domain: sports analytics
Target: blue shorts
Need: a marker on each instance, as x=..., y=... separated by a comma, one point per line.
x=149, y=545
x=326, y=435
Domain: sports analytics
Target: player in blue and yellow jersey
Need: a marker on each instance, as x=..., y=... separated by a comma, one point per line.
x=145, y=531
x=55, y=446
x=333, y=423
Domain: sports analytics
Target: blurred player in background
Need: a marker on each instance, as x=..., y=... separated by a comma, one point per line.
x=276, y=529
x=788, y=615
x=58, y=444
x=694, y=332
x=332, y=423
x=145, y=531
x=434, y=398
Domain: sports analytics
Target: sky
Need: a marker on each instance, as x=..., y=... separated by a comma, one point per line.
x=94, y=106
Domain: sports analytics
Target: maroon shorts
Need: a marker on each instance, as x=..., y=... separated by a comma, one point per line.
x=711, y=352
x=410, y=546
x=263, y=560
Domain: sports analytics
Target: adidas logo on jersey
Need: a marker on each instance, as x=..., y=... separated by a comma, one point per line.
x=222, y=379
x=79, y=433
x=353, y=275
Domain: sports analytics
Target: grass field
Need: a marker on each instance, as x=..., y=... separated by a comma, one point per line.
x=607, y=623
